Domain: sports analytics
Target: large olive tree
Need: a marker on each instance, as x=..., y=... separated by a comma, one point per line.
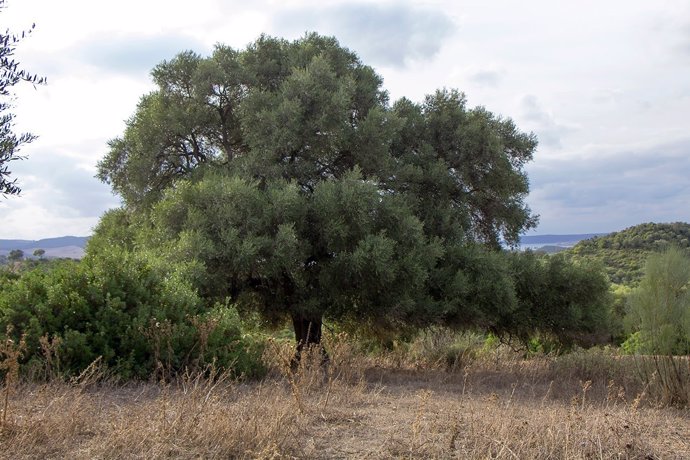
x=286, y=171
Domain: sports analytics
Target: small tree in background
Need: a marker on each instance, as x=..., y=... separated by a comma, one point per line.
x=659, y=310
x=39, y=253
x=15, y=255
x=560, y=298
x=660, y=307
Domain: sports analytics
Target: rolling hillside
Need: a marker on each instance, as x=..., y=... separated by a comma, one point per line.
x=625, y=253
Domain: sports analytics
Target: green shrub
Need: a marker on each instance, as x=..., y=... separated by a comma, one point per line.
x=659, y=308
x=437, y=346
x=133, y=310
x=633, y=344
x=557, y=297
x=541, y=345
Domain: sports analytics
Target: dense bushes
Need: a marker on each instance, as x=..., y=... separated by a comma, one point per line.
x=561, y=298
x=648, y=236
x=137, y=313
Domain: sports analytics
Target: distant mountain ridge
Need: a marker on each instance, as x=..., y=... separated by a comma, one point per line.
x=46, y=243
x=73, y=246
x=63, y=246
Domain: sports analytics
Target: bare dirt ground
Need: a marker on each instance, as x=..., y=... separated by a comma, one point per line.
x=521, y=410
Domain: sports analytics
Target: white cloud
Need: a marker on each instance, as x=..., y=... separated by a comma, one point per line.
x=387, y=34
x=605, y=88
x=34, y=222
x=60, y=196
x=549, y=130
x=611, y=189
x=134, y=54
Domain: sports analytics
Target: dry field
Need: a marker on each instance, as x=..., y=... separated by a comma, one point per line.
x=498, y=407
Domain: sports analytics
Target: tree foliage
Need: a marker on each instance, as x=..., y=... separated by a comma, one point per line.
x=11, y=74
x=659, y=308
x=568, y=300
x=370, y=257
x=309, y=111
x=452, y=157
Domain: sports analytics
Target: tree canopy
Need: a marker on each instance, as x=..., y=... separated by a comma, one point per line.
x=309, y=111
x=284, y=169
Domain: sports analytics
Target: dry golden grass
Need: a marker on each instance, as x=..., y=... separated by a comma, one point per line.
x=496, y=407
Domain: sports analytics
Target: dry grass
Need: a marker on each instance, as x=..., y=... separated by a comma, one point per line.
x=497, y=407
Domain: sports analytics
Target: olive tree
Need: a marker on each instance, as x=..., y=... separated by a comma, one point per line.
x=284, y=169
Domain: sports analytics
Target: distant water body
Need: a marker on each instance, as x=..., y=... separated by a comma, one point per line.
x=564, y=245
x=561, y=241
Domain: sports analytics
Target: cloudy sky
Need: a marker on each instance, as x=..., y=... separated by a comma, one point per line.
x=604, y=85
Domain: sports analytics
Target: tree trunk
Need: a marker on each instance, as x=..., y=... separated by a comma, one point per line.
x=307, y=335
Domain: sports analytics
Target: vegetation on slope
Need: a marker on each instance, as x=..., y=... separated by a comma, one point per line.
x=625, y=253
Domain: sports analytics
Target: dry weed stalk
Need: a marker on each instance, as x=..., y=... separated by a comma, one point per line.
x=585, y=388
x=204, y=327
x=93, y=373
x=10, y=352
x=547, y=394
x=420, y=415
x=160, y=335
x=280, y=357
x=50, y=348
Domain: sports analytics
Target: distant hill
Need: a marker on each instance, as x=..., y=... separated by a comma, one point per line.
x=550, y=249
x=624, y=254
x=64, y=246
